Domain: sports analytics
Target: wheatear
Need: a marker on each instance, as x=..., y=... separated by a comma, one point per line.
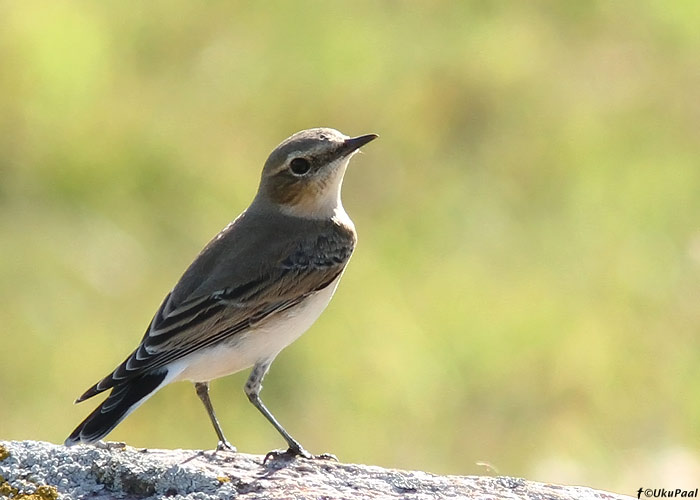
x=253, y=290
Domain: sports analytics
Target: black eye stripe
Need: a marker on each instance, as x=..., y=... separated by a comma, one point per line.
x=299, y=166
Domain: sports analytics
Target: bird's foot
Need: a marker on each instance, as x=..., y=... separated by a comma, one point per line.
x=110, y=445
x=297, y=451
x=225, y=446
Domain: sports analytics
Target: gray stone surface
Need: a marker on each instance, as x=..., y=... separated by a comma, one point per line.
x=48, y=471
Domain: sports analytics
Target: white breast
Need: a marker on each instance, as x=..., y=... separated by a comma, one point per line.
x=257, y=344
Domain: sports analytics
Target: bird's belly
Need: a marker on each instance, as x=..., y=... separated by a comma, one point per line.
x=257, y=344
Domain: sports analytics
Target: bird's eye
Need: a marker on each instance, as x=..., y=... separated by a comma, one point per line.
x=299, y=166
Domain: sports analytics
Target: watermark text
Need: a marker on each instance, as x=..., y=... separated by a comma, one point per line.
x=666, y=493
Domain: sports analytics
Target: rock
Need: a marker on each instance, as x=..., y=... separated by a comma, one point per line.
x=44, y=471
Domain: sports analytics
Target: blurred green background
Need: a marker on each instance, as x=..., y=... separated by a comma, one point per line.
x=526, y=289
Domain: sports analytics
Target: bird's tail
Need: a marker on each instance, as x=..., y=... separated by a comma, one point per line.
x=123, y=399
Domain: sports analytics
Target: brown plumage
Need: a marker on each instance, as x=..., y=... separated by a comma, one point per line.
x=252, y=290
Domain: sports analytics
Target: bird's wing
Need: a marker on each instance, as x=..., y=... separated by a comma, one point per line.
x=261, y=283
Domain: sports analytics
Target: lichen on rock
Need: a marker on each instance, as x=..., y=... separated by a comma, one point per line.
x=43, y=471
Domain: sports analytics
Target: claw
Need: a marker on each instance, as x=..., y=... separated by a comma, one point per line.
x=225, y=446
x=110, y=445
x=297, y=452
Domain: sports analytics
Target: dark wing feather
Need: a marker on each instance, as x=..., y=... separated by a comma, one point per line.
x=234, y=284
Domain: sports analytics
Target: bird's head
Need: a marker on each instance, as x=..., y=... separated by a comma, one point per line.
x=304, y=174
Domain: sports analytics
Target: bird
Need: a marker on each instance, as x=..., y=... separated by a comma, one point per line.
x=256, y=287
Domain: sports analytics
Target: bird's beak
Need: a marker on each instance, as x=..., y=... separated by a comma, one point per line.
x=355, y=143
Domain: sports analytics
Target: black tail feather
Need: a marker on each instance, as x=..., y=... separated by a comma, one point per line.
x=123, y=399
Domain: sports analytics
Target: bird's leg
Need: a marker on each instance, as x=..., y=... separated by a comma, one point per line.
x=202, y=389
x=252, y=390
